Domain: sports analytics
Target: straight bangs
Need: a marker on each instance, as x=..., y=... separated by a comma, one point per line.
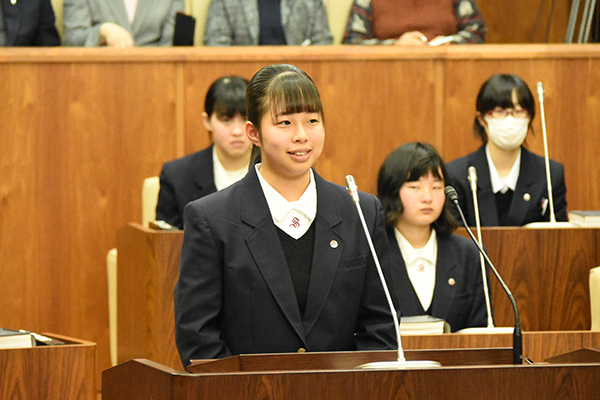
x=496, y=96
x=425, y=165
x=291, y=93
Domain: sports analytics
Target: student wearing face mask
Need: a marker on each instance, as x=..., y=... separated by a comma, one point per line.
x=511, y=180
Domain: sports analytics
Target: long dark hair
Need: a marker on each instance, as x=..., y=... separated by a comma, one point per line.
x=408, y=163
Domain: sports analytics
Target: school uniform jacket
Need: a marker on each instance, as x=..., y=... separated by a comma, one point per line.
x=235, y=294
x=528, y=199
x=236, y=22
x=183, y=180
x=153, y=25
x=458, y=296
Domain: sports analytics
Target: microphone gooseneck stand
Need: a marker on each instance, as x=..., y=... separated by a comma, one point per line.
x=473, y=181
x=517, y=334
x=401, y=362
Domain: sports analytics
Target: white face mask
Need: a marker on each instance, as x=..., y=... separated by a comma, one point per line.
x=507, y=133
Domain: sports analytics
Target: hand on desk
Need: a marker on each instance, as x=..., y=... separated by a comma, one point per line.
x=113, y=35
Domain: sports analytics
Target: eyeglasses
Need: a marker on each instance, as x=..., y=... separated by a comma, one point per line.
x=505, y=112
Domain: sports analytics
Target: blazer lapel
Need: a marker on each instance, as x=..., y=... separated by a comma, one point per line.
x=488, y=211
x=120, y=13
x=266, y=251
x=250, y=9
x=141, y=14
x=525, y=187
x=287, y=8
x=445, y=280
x=408, y=301
x=326, y=256
x=202, y=170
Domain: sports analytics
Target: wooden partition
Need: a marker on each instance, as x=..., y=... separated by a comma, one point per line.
x=544, y=268
x=57, y=372
x=81, y=128
x=146, y=380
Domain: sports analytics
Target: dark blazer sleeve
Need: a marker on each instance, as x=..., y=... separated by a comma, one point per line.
x=184, y=180
x=167, y=207
x=30, y=23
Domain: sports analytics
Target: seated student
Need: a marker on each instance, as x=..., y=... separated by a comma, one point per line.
x=409, y=22
x=216, y=167
x=279, y=262
x=27, y=23
x=266, y=22
x=120, y=23
x=511, y=181
x=435, y=272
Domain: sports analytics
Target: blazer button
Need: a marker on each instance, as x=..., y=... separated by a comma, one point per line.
x=301, y=350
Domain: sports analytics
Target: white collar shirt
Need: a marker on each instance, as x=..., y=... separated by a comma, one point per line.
x=420, y=265
x=222, y=177
x=130, y=6
x=292, y=217
x=500, y=184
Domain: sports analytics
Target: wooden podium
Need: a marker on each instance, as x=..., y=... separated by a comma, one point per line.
x=57, y=372
x=547, y=270
x=292, y=377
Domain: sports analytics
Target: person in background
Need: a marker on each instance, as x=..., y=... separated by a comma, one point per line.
x=511, y=181
x=417, y=23
x=27, y=23
x=120, y=23
x=279, y=261
x=267, y=22
x=216, y=167
x=434, y=271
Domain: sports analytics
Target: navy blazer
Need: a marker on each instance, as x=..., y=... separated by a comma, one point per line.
x=29, y=23
x=235, y=294
x=530, y=192
x=458, y=296
x=183, y=180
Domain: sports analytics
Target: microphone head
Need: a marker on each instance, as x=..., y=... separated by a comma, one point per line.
x=451, y=194
x=352, y=188
x=473, y=178
x=540, y=91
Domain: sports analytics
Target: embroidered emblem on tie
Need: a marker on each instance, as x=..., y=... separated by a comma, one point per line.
x=295, y=223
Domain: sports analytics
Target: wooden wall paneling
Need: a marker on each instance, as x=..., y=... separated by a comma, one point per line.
x=513, y=21
x=530, y=262
x=81, y=129
x=571, y=92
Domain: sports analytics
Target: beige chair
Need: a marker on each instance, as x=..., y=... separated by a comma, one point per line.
x=595, y=297
x=150, y=189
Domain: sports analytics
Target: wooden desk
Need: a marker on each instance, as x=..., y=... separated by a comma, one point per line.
x=60, y=372
x=547, y=270
x=146, y=380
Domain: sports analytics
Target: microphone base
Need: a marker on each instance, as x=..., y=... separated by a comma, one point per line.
x=487, y=330
x=546, y=225
x=397, y=365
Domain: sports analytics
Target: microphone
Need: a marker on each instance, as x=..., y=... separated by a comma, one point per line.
x=517, y=335
x=401, y=362
x=473, y=180
x=552, y=223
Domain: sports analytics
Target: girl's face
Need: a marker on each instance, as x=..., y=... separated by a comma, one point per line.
x=228, y=135
x=423, y=200
x=290, y=143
